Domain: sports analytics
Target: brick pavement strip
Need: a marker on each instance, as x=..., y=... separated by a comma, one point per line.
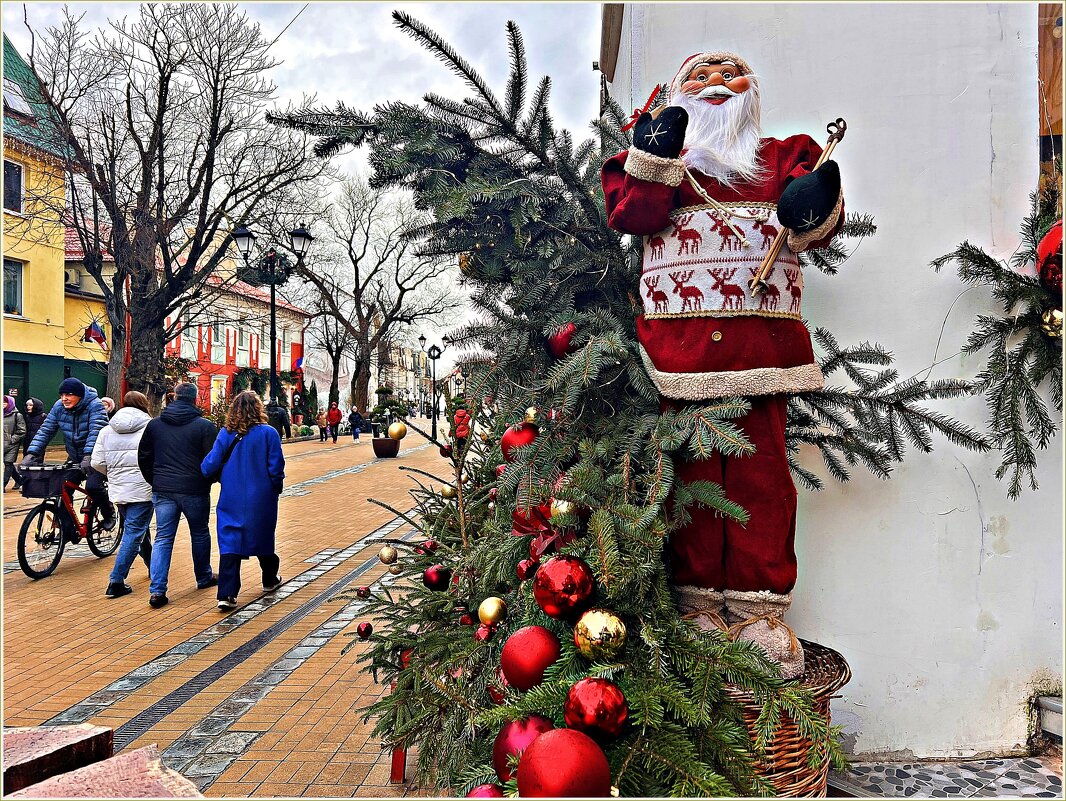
x=294, y=698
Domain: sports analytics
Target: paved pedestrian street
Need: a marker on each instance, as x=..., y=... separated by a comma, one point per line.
x=258, y=702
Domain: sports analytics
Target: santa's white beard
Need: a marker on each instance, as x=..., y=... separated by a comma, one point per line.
x=722, y=141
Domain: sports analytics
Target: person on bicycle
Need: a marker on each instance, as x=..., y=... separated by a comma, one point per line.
x=81, y=416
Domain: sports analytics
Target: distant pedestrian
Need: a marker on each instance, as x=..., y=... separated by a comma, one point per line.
x=109, y=406
x=334, y=417
x=355, y=420
x=461, y=429
x=247, y=459
x=14, y=433
x=35, y=413
x=115, y=457
x=323, y=426
x=169, y=455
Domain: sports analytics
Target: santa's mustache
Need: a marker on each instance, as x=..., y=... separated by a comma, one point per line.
x=714, y=91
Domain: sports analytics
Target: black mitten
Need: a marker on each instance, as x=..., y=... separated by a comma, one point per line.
x=663, y=136
x=807, y=202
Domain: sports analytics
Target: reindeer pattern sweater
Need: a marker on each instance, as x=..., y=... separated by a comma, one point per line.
x=702, y=335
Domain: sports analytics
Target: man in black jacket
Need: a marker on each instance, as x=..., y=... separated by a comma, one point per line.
x=169, y=455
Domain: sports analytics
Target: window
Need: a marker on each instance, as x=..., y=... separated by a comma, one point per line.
x=14, y=99
x=12, y=286
x=13, y=186
x=188, y=338
x=218, y=342
x=264, y=344
x=284, y=340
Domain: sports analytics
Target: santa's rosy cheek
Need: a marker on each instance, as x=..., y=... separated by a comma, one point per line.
x=692, y=87
x=739, y=84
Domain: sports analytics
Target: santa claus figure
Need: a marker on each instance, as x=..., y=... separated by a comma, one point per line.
x=709, y=195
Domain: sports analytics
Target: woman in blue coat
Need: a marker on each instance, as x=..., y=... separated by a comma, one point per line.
x=247, y=459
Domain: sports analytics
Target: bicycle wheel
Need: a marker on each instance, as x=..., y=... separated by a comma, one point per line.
x=41, y=541
x=101, y=541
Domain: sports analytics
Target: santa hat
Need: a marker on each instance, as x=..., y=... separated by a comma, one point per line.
x=712, y=57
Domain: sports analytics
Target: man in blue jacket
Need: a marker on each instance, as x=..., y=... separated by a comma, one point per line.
x=80, y=415
x=169, y=455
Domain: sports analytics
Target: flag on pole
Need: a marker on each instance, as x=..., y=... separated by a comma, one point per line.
x=95, y=333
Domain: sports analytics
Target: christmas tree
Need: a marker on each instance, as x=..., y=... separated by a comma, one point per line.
x=546, y=523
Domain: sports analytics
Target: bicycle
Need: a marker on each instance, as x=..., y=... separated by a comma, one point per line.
x=67, y=514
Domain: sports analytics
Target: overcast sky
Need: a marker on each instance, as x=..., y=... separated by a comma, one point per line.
x=353, y=52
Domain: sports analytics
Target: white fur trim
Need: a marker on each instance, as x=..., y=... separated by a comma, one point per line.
x=727, y=383
x=800, y=241
x=758, y=596
x=661, y=170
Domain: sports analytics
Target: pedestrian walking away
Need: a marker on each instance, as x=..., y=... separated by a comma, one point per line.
x=81, y=417
x=14, y=432
x=333, y=417
x=248, y=461
x=115, y=456
x=355, y=420
x=323, y=426
x=169, y=455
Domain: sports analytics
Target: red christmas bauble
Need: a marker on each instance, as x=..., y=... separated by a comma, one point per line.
x=514, y=738
x=493, y=492
x=364, y=630
x=430, y=546
x=1049, y=260
x=486, y=791
x=516, y=437
x=527, y=654
x=530, y=521
x=466, y=620
x=363, y=592
x=436, y=578
x=563, y=587
x=498, y=688
x=597, y=707
x=564, y=763
x=499, y=469
x=561, y=343
x=446, y=451
x=526, y=568
x=405, y=657
x=483, y=633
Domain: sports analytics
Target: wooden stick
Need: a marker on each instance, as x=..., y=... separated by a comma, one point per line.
x=758, y=283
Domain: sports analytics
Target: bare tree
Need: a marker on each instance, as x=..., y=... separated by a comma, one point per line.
x=372, y=279
x=162, y=123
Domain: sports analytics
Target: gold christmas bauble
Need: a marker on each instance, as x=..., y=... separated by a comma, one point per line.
x=397, y=431
x=395, y=569
x=388, y=555
x=484, y=436
x=492, y=610
x=561, y=508
x=1051, y=323
x=599, y=634
x=448, y=491
x=531, y=414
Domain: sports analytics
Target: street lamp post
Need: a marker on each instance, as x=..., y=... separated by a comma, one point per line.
x=271, y=268
x=434, y=353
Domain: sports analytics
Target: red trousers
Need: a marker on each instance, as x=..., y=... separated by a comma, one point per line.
x=717, y=553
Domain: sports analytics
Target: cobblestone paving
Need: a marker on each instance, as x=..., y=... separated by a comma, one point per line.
x=259, y=702
x=1034, y=777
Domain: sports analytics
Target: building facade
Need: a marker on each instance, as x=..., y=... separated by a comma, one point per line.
x=35, y=334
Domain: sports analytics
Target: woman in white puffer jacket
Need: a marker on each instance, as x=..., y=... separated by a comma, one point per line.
x=115, y=455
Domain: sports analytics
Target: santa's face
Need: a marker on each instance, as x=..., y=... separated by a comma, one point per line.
x=715, y=83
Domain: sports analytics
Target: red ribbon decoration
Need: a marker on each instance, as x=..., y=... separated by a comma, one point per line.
x=638, y=111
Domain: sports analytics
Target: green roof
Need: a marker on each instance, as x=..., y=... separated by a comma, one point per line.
x=40, y=132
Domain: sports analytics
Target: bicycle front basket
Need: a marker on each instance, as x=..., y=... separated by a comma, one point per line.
x=42, y=481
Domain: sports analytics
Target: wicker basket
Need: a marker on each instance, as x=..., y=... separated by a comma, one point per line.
x=785, y=763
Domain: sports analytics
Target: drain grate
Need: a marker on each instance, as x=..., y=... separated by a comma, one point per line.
x=138, y=725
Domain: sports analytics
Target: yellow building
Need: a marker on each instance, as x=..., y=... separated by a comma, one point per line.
x=34, y=331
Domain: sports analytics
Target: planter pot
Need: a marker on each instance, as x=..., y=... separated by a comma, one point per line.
x=386, y=447
x=297, y=419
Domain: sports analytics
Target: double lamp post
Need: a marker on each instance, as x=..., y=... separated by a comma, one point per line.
x=271, y=268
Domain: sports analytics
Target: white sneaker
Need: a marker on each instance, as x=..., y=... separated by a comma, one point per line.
x=227, y=604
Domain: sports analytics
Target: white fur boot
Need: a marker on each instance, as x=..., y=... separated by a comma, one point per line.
x=759, y=615
x=704, y=607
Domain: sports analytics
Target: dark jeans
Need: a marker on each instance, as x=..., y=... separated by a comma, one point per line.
x=169, y=508
x=229, y=572
x=135, y=518
x=11, y=473
x=322, y=432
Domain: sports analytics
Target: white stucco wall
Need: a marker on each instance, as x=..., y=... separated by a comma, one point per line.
x=945, y=597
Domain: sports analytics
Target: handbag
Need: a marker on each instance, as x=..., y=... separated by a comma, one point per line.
x=217, y=476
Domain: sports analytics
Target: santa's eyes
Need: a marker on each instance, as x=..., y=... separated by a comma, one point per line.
x=703, y=77
x=727, y=76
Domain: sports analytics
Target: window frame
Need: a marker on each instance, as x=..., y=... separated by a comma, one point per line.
x=21, y=285
x=21, y=210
